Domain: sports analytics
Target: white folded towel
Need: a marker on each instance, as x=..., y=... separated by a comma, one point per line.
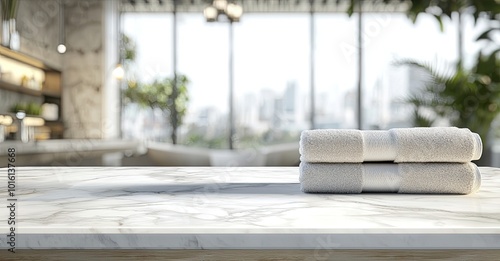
x=437, y=144
x=434, y=178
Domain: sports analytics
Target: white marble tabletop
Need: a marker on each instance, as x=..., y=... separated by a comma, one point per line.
x=235, y=208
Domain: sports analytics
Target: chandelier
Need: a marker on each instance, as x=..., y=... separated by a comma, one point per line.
x=226, y=8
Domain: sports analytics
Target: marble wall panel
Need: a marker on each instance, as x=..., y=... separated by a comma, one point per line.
x=38, y=26
x=82, y=76
x=83, y=65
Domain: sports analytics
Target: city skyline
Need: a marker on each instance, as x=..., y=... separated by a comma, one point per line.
x=272, y=51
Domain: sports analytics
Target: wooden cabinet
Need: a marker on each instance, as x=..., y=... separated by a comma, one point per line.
x=29, y=76
x=52, y=85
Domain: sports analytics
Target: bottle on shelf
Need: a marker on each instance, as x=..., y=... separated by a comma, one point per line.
x=24, y=81
x=32, y=83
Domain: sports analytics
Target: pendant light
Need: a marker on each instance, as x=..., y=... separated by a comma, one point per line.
x=61, y=48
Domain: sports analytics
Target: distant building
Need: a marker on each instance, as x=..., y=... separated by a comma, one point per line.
x=350, y=107
x=289, y=98
x=266, y=105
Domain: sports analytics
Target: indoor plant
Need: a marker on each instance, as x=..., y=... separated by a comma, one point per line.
x=467, y=98
x=159, y=94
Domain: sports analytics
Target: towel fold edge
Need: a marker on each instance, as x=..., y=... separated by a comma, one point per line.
x=478, y=146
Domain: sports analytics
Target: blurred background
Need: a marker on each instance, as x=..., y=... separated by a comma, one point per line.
x=233, y=83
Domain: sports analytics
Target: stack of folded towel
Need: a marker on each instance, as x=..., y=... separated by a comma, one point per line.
x=408, y=160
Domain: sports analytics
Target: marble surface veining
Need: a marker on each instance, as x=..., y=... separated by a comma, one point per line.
x=234, y=208
x=38, y=26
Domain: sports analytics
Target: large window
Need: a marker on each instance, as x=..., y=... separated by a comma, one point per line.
x=150, y=33
x=272, y=72
x=389, y=38
x=203, y=57
x=336, y=69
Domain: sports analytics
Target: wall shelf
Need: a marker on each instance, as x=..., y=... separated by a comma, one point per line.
x=18, y=88
x=17, y=66
x=25, y=59
x=52, y=77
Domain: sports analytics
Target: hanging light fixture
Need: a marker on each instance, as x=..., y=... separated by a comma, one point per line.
x=234, y=12
x=220, y=4
x=211, y=13
x=230, y=9
x=119, y=72
x=61, y=48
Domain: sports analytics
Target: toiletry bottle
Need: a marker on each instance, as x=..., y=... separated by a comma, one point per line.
x=32, y=83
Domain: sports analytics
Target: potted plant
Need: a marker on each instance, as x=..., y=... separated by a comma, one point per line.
x=31, y=108
x=467, y=98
